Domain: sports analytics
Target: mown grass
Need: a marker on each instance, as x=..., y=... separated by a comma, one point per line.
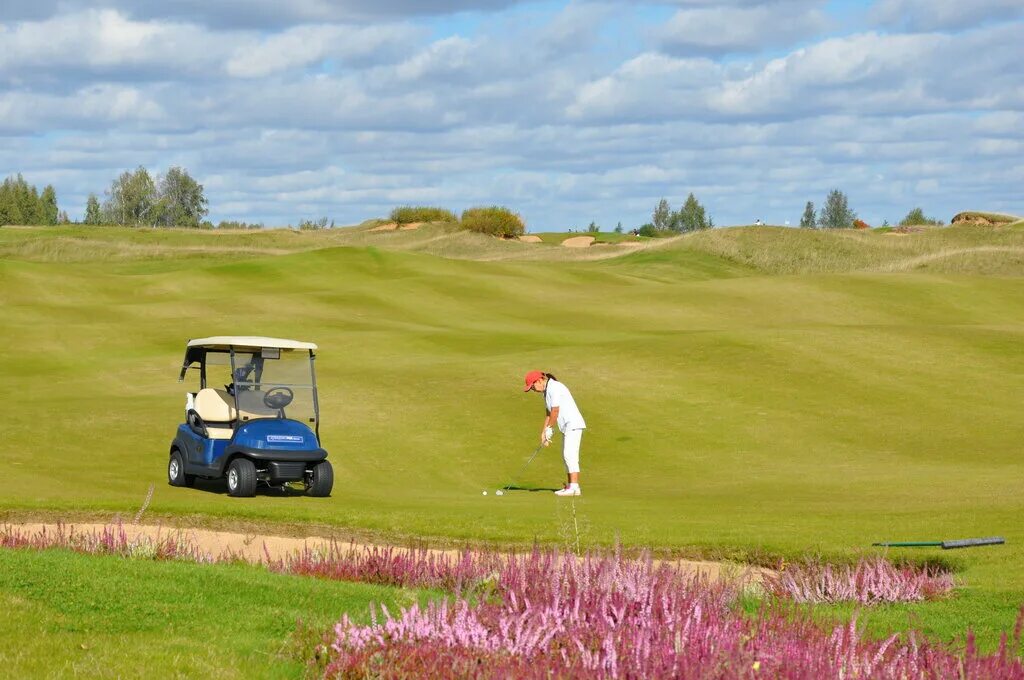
x=68, y=614
x=751, y=393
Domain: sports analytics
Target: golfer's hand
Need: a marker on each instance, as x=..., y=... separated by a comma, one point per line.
x=545, y=436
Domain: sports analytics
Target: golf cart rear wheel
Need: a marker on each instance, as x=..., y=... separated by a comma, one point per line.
x=242, y=478
x=176, y=471
x=320, y=480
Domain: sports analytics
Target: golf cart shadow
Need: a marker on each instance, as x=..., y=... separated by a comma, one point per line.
x=531, y=489
x=220, y=488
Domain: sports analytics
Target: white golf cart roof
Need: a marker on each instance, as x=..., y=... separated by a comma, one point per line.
x=226, y=341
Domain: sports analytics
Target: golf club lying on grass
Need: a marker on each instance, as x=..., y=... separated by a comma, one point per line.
x=945, y=545
x=515, y=478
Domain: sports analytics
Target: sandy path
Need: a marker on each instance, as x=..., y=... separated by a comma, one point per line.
x=256, y=547
x=529, y=238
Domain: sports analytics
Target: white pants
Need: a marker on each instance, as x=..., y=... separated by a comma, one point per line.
x=571, y=450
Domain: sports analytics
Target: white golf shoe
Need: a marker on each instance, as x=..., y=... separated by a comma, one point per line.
x=570, y=490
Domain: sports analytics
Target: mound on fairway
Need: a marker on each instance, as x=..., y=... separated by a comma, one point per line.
x=984, y=218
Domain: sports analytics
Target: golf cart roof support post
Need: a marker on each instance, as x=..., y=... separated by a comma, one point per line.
x=234, y=389
x=316, y=399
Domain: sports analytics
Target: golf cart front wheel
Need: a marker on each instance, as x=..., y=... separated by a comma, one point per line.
x=242, y=478
x=176, y=471
x=320, y=480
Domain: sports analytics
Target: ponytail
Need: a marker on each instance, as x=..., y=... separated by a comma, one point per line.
x=550, y=377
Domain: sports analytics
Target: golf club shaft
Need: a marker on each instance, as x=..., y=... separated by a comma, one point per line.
x=523, y=469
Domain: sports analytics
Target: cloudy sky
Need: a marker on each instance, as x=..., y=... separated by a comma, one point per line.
x=566, y=111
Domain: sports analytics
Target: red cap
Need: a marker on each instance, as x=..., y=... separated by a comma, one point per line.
x=532, y=377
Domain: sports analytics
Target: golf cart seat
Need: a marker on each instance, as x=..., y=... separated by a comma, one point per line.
x=214, y=407
x=218, y=412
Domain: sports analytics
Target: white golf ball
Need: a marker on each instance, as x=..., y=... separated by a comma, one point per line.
x=485, y=493
x=499, y=492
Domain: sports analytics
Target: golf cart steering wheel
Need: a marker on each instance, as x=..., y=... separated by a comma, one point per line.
x=278, y=397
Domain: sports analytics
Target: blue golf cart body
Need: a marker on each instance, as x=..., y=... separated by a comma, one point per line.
x=262, y=428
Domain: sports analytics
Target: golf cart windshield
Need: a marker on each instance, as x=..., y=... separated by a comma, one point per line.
x=268, y=382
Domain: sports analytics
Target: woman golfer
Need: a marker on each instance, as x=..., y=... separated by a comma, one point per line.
x=561, y=409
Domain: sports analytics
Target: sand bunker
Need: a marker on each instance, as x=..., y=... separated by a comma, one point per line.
x=578, y=242
x=257, y=548
x=530, y=238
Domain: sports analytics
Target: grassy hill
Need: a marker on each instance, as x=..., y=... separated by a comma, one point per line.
x=749, y=392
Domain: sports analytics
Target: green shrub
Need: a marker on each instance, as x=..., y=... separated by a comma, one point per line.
x=648, y=230
x=407, y=214
x=917, y=217
x=494, y=220
x=308, y=225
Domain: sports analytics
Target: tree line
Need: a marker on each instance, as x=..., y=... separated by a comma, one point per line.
x=23, y=203
x=691, y=216
x=138, y=199
x=837, y=214
x=135, y=198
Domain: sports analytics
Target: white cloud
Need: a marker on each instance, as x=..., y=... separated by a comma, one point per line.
x=259, y=14
x=104, y=41
x=305, y=46
x=569, y=114
x=930, y=15
x=865, y=74
x=724, y=29
x=649, y=86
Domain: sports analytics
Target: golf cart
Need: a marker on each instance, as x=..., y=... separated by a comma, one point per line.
x=263, y=427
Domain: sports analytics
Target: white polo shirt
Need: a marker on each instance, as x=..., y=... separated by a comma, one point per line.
x=569, y=417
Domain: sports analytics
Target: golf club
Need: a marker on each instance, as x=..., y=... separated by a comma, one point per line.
x=522, y=469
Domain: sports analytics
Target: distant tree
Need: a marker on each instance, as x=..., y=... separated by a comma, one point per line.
x=618, y=228
x=648, y=230
x=692, y=216
x=313, y=224
x=916, y=216
x=593, y=228
x=47, y=211
x=63, y=219
x=181, y=200
x=885, y=223
x=809, y=219
x=92, y=211
x=662, y=216
x=21, y=203
x=836, y=213
x=10, y=207
x=132, y=199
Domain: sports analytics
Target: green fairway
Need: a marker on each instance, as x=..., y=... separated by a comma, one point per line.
x=68, y=615
x=748, y=392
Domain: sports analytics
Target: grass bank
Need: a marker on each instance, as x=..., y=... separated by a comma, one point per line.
x=69, y=614
x=749, y=393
